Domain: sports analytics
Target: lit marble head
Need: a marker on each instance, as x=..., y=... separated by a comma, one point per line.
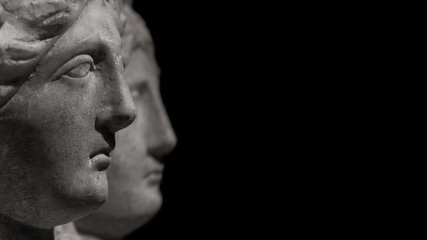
x=63, y=96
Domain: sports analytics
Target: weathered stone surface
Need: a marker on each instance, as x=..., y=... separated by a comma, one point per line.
x=62, y=98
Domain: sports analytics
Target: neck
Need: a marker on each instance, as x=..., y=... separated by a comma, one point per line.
x=68, y=231
x=88, y=237
x=12, y=230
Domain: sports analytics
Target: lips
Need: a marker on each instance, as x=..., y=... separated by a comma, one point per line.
x=101, y=159
x=105, y=150
x=101, y=162
x=154, y=177
x=154, y=169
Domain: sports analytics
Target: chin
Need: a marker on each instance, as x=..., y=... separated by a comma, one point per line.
x=120, y=216
x=149, y=207
x=142, y=206
x=84, y=196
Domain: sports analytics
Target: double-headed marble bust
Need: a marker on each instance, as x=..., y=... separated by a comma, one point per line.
x=63, y=96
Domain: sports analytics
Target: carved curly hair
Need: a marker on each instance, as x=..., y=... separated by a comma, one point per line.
x=136, y=35
x=28, y=30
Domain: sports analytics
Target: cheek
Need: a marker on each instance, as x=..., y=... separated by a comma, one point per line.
x=131, y=139
x=128, y=157
x=129, y=148
x=48, y=123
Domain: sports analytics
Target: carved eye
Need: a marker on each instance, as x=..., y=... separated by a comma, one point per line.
x=76, y=68
x=134, y=93
x=80, y=71
x=140, y=89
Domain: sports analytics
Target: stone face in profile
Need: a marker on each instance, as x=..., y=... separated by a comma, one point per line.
x=136, y=170
x=62, y=97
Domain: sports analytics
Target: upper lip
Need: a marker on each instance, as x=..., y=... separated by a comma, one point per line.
x=157, y=168
x=104, y=150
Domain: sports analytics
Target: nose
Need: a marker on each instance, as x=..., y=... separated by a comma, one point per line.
x=120, y=111
x=162, y=139
x=119, y=115
x=121, y=118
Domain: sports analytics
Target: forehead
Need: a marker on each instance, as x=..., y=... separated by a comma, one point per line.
x=140, y=68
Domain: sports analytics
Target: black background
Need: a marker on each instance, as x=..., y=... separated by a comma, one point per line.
x=258, y=96
x=216, y=83
x=209, y=186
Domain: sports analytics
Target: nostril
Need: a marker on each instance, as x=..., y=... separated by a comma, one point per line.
x=123, y=118
x=123, y=121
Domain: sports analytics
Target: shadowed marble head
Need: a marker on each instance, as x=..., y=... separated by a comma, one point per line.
x=62, y=97
x=136, y=170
